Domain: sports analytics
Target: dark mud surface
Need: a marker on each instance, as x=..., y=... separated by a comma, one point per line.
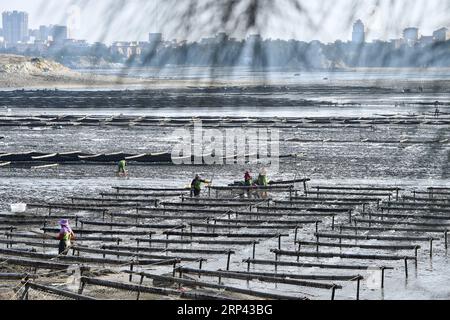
x=348, y=162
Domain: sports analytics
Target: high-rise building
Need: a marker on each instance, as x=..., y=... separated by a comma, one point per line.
x=222, y=37
x=254, y=39
x=59, y=33
x=44, y=33
x=155, y=38
x=359, y=33
x=443, y=34
x=15, y=26
x=411, y=35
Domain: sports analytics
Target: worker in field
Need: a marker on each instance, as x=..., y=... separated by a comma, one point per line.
x=263, y=181
x=436, y=111
x=122, y=168
x=65, y=237
x=196, y=185
x=248, y=182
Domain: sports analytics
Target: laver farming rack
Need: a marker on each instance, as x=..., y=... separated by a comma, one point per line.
x=318, y=242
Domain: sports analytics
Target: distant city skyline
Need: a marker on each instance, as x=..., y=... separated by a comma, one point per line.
x=134, y=24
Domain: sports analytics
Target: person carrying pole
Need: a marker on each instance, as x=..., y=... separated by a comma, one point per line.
x=122, y=168
x=196, y=185
x=65, y=237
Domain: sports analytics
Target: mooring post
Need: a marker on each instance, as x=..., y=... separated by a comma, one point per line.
x=254, y=249
x=416, y=252
x=248, y=265
x=406, y=267
x=174, y=269
x=333, y=292
x=397, y=194
x=139, y=290
x=431, y=247
x=317, y=242
x=299, y=248
x=332, y=222
x=446, y=239
x=27, y=290
x=349, y=216
x=214, y=226
x=296, y=233
x=382, y=277
x=358, y=286
x=317, y=226
x=229, y=259
x=8, y=237
x=131, y=270
x=76, y=221
x=276, y=260
x=279, y=241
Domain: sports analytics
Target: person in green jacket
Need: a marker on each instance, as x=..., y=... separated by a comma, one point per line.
x=263, y=181
x=122, y=169
x=196, y=185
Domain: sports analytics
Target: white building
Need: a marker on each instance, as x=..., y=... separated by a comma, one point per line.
x=126, y=49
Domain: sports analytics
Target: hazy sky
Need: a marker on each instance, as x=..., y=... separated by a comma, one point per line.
x=325, y=20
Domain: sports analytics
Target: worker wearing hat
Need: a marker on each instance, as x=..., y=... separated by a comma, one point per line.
x=248, y=181
x=196, y=185
x=65, y=236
